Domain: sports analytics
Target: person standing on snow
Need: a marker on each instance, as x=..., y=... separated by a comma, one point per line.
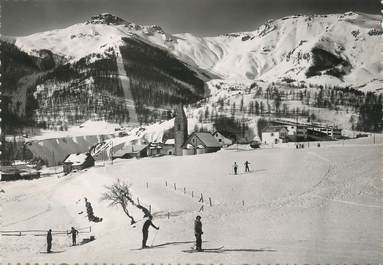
x=247, y=166
x=49, y=241
x=145, y=230
x=235, y=166
x=198, y=233
x=74, y=233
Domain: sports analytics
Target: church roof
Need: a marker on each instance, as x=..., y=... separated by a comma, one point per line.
x=207, y=139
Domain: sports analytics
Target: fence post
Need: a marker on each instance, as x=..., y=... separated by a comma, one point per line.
x=192, y=194
x=147, y=185
x=168, y=215
x=166, y=183
x=201, y=199
x=210, y=202
x=243, y=203
x=150, y=208
x=184, y=190
x=175, y=186
x=138, y=201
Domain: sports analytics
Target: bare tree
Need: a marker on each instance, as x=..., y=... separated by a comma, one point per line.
x=119, y=194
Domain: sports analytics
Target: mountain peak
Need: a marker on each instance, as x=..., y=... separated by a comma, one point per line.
x=106, y=18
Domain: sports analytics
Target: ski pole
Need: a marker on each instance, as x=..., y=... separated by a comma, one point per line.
x=154, y=238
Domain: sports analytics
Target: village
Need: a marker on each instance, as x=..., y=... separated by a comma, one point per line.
x=200, y=182
x=61, y=156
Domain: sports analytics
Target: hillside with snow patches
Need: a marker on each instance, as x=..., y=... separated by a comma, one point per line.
x=336, y=49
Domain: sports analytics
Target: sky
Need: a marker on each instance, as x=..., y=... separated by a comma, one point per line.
x=200, y=17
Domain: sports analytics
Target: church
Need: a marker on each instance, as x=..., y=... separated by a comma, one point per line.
x=196, y=143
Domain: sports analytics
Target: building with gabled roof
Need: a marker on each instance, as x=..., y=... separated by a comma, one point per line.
x=201, y=142
x=131, y=151
x=222, y=140
x=77, y=161
x=274, y=134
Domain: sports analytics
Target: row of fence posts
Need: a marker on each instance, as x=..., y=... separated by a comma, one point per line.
x=201, y=199
x=39, y=232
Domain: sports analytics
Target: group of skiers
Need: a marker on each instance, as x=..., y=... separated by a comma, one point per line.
x=235, y=167
x=72, y=232
x=145, y=233
x=197, y=231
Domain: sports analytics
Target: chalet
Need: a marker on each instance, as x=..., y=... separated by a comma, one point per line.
x=301, y=132
x=132, y=151
x=77, y=161
x=274, y=135
x=154, y=149
x=168, y=148
x=222, y=140
x=202, y=142
x=296, y=132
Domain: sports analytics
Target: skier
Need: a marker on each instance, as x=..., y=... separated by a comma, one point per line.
x=145, y=230
x=247, y=166
x=198, y=233
x=74, y=233
x=49, y=241
x=235, y=168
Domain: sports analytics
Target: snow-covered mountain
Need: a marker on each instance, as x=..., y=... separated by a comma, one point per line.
x=330, y=49
x=110, y=69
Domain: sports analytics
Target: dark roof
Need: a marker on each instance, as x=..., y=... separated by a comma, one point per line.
x=273, y=128
x=207, y=139
x=130, y=149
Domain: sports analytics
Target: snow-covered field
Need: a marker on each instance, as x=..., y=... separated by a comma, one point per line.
x=312, y=205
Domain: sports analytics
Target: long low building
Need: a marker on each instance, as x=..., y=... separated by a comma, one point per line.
x=200, y=143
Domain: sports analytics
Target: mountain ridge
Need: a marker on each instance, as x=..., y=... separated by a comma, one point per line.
x=289, y=47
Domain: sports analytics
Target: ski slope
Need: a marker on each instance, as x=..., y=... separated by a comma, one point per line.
x=312, y=205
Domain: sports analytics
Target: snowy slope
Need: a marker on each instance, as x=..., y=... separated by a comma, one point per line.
x=95, y=36
x=308, y=206
x=340, y=48
x=284, y=48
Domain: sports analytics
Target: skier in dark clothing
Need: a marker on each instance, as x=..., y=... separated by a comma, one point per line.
x=74, y=233
x=145, y=231
x=198, y=233
x=49, y=241
x=247, y=166
x=235, y=168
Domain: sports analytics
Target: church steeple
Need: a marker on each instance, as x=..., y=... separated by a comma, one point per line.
x=180, y=129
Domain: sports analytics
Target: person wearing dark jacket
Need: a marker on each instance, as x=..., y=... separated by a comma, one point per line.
x=49, y=241
x=198, y=233
x=247, y=169
x=235, y=166
x=74, y=233
x=145, y=231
